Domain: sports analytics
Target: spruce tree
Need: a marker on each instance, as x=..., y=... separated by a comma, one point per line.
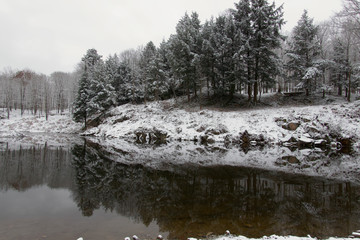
x=258, y=26
x=267, y=21
x=84, y=105
x=185, y=47
x=111, y=72
x=126, y=88
x=339, y=67
x=207, y=57
x=103, y=93
x=303, y=51
x=147, y=69
x=245, y=33
x=223, y=42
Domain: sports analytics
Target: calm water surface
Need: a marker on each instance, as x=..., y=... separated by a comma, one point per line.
x=68, y=192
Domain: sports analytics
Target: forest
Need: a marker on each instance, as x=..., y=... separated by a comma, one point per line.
x=242, y=51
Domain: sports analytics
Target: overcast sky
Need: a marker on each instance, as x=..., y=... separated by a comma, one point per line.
x=53, y=35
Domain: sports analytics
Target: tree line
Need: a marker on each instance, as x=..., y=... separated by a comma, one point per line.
x=241, y=51
x=37, y=93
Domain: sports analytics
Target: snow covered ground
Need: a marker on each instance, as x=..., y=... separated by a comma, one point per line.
x=219, y=126
x=223, y=132
x=17, y=125
x=315, y=132
x=355, y=235
x=273, y=237
x=271, y=134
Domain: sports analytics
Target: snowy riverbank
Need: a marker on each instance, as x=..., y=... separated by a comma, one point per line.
x=301, y=140
x=296, y=140
x=274, y=237
x=286, y=125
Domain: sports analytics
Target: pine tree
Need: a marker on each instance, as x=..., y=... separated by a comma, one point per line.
x=166, y=52
x=338, y=70
x=245, y=33
x=165, y=80
x=267, y=21
x=223, y=42
x=84, y=105
x=103, y=93
x=118, y=74
x=207, y=57
x=82, y=99
x=303, y=51
x=131, y=75
x=125, y=88
x=185, y=49
x=148, y=74
x=258, y=27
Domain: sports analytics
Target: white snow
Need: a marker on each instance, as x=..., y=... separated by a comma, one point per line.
x=56, y=123
x=275, y=237
x=117, y=133
x=187, y=125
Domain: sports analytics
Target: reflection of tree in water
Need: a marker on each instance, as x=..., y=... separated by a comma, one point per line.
x=190, y=200
x=187, y=200
x=25, y=166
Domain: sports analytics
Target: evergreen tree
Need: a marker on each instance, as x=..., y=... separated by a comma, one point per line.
x=339, y=67
x=82, y=99
x=258, y=26
x=224, y=44
x=166, y=80
x=153, y=72
x=112, y=76
x=131, y=74
x=125, y=89
x=267, y=21
x=88, y=98
x=157, y=69
x=173, y=80
x=245, y=33
x=148, y=71
x=185, y=49
x=207, y=57
x=303, y=51
x=102, y=92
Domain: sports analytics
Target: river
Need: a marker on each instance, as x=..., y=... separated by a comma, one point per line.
x=73, y=190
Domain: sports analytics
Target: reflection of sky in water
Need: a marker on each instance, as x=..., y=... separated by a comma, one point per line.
x=41, y=201
x=58, y=187
x=42, y=212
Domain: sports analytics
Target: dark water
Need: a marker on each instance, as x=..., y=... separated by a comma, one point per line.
x=68, y=192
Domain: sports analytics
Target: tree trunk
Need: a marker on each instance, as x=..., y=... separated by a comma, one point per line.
x=208, y=87
x=340, y=90
x=308, y=87
x=195, y=89
x=256, y=77
x=255, y=91
x=188, y=90
x=249, y=92
x=349, y=94
x=232, y=90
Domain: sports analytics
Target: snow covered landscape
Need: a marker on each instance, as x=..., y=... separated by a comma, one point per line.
x=241, y=121
x=324, y=140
